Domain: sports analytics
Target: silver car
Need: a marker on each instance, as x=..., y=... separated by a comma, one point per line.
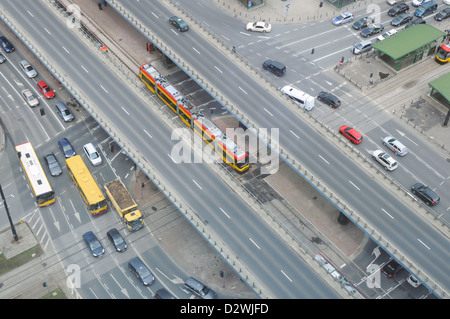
x=395, y=145
x=92, y=154
x=385, y=160
x=64, y=112
x=2, y=58
x=30, y=98
x=53, y=164
x=28, y=69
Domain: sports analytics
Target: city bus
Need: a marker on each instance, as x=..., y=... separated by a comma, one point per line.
x=33, y=170
x=88, y=188
x=443, y=53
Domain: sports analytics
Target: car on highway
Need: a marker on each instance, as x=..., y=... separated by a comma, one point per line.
x=92, y=154
x=28, y=69
x=259, y=26
x=414, y=22
x=30, y=98
x=344, y=17
x=386, y=35
x=6, y=45
x=362, y=23
x=395, y=145
x=2, y=58
x=413, y=281
x=64, y=112
x=163, y=294
x=45, y=90
x=371, y=30
x=418, y=3
x=52, y=163
x=199, y=289
x=116, y=239
x=401, y=19
x=330, y=99
x=94, y=245
x=398, y=9
x=351, y=134
x=426, y=194
x=275, y=67
x=141, y=271
x=66, y=147
x=385, y=160
x=179, y=23
x=391, y=268
x=443, y=14
x=393, y=2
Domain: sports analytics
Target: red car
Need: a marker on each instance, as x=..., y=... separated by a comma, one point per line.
x=45, y=90
x=351, y=134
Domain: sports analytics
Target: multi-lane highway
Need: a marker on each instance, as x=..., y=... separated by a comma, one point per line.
x=281, y=271
x=397, y=222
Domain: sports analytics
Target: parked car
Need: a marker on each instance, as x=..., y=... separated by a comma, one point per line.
x=30, y=98
x=418, y=3
x=275, y=67
x=351, y=134
x=344, y=17
x=259, y=26
x=401, y=19
x=393, y=2
x=116, y=239
x=395, y=145
x=199, y=289
x=28, y=69
x=94, y=245
x=362, y=23
x=413, y=281
x=179, y=23
x=443, y=14
x=66, y=147
x=371, y=30
x=52, y=164
x=386, y=35
x=92, y=154
x=398, y=9
x=414, y=22
x=6, y=45
x=64, y=112
x=2, y=58
x=425, y=193
x=391, y=268
x=329, y=99
x=385, y=160
x=45, y=90
x=141, y=271
x=163, y=294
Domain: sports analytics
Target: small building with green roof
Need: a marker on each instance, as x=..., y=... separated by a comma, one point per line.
x=440, y=90
x=409, y=46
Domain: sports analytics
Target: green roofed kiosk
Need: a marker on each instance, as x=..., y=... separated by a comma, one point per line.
x=409, y=46
x=440, y=91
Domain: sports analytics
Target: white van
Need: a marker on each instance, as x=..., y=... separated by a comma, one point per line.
x=300, y=98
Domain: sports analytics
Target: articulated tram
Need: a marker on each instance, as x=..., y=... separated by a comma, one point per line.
x=194, y=118
x=443, y=53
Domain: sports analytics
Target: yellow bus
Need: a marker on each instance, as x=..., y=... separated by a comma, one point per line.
x=89, y=190
x=33, y=170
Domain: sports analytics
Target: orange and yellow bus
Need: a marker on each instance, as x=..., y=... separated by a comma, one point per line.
x=33, y=170
x=88, y=188
x=443, y=53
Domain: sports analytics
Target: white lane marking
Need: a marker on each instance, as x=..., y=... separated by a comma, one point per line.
x=195, y=50
x=225, y=213
x=242, y=90
x=218, y=69
x=294, y=134
x=423, y=243
x=125, y=110
x=324, y=159
x=103, y=88
x=148, y=134
x=286, y=275
x=354, y=185
x=197, y=184
x=254, y=243
x=268, y=112
x=387, y=213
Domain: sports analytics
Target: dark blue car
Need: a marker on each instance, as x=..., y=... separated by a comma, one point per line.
x=66, y=147
x=6, y=45
x=94, y=245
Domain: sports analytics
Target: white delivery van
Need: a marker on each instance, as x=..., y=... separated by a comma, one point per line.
x=299, y=97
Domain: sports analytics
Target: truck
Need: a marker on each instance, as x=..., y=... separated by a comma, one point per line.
x=124, y=204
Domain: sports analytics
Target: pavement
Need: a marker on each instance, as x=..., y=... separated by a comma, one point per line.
x=310, y=213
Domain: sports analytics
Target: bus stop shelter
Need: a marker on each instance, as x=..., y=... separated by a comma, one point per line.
x=409, y=46
x=440, y=91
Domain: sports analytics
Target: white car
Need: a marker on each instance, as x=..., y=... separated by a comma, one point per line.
x=28, y=69
x=30, y=98
x=446, y=1
x=259, y=26
x=413, y=281
x=393, y=2
x=417, y=3
x=395, y=145
x=386, y=35
x=92, y=154
x=385, y=160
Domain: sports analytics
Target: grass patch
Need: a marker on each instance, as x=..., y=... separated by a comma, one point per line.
x=55, y=294
x=18, y=260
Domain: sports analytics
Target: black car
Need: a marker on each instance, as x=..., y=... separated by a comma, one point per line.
x=371, y=30
x=93, y=244
x=275, y=67
x=179, y=23
x=329, y=99
x=401, y=19
x=414, y=22
x=66, y=147
x=6, y=45
x=398, y=9
x=163, y=294
x=425, y=193
x=444, y=14
x=391, y=268
x=117, y=240
x=53, y=164
x=362, y=23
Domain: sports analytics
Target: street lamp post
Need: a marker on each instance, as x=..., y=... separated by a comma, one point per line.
x=13, y=229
